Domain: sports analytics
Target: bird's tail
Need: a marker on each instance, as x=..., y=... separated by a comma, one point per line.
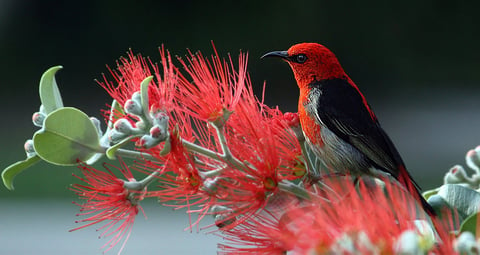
x=426, y=206
x=406, y=179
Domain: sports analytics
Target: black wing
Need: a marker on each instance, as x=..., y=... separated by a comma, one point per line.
x=343, y=110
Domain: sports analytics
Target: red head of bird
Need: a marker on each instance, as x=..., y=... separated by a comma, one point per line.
x=310, y=62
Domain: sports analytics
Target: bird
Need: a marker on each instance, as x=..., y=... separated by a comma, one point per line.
x=338, y=124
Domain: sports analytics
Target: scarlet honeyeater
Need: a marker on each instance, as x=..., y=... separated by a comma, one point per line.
x=337, y=121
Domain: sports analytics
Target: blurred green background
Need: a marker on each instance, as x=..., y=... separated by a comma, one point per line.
x=417, y=62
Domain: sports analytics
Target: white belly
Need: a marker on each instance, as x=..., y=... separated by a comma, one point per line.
x=338, y=155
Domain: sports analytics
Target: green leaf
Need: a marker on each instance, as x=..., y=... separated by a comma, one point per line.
x=111, y=151
x=144, y=94
x=67, y=135
x=114, y=110
x=49, y=93
x=167, y=147
x=465, y=200
x=470, y=224
x=92, y=160
x=430, y=193
x=13, y=170
x=443, y=210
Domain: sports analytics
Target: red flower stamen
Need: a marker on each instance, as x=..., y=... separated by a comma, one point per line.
x=107, y=201
x=212, y=87
x=133, y=69
x=316, y=227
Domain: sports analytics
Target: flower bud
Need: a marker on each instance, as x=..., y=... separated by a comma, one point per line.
x=96, y=123
x=147, y=142
x=123, y=126
x=115, y=136
x=222, y=220
x=155, y=132
x=29, y=148
x=408, y=243
x=473, y=159
x=140, y=125
x=223, y=216
x=38, y=118
x=455, y=175
x=159, y=117
x=133, y=107
x=137, y=97
x=466, y=244
x=292, y=119
x=215, y=187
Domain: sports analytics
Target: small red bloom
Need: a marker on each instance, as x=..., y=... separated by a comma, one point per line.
x=292, y=119
x=180, y=182
x=107, y=201
x=133, y=69
x=262, y=137
x=212, y=86
x=260, y=234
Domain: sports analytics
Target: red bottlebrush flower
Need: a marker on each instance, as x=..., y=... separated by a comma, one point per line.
x=262, y=137
x=183, y=167
x=285, y=129
x=342, y=220
x=256, y=135
x=181, y=181
x=260, y=234
x=212, y=86
x=107, y=201
x=133, y=69
x=240, y=197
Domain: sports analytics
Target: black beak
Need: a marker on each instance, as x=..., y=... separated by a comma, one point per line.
x=278, y=54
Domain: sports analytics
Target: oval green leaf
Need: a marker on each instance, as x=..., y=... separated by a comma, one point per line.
x=49, y=93
x=111, y=151
x=13, y=170
x=115, y=109
x=443, y=210
x=470, y=224
x=68, y=135
x=465, y=200
x=144, y=94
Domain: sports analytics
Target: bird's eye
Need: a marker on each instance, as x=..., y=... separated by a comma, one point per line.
x=300, y=58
